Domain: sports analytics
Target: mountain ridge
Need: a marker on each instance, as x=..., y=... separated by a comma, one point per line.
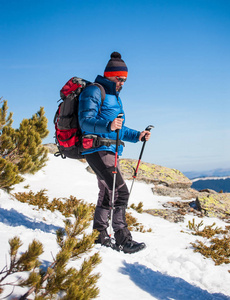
x=219, y=172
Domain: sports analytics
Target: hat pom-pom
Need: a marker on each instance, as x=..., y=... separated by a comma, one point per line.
x=115, y=55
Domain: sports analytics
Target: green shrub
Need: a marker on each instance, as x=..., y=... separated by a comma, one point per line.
x=58, y=277
x=219, y=246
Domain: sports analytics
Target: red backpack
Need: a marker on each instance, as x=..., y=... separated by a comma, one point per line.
x=68, y=135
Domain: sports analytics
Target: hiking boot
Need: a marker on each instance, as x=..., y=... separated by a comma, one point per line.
x=104, y=239
x=125, y=243
x=131, y=247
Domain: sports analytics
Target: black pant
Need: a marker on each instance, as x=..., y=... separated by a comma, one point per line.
x=102, y=163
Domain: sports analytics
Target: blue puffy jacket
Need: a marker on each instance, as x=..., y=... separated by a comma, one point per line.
x=97, y=119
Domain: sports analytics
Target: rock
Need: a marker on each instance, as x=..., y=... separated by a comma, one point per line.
x=167, y=214
x=51, y=147
x=184, y=194
x=90, y=170
x=215, y=205
x=209, y=204
x=175, y=211
x=151, y=173
x=208, y=191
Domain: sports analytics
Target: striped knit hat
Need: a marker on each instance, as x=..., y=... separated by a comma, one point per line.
x=116, y=66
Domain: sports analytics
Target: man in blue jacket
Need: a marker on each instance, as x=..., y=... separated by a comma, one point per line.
x=100, y=119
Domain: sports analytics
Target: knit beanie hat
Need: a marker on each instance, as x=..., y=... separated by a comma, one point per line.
x=116, y=66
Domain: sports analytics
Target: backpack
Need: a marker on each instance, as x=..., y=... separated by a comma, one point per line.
x=68, y=134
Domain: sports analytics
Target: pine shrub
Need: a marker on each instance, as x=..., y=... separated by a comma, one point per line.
x=58, y=280
x=138, y=208
x=193, y=226
x=218, y=239
x=219, y=250
x=65, y=205
x=21, y=149
x=134, y=225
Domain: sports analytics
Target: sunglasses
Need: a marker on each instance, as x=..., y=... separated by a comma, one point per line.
x=121, y=79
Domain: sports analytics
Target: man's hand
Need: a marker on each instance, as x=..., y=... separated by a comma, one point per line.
x=146, y=134
x=116, y=124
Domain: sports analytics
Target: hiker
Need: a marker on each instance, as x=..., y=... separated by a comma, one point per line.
x=102, y=121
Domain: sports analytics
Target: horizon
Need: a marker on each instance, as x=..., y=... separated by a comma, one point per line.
x=177, y=55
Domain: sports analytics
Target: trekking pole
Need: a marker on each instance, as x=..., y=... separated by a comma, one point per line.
x=139, y=160
x=114, y=178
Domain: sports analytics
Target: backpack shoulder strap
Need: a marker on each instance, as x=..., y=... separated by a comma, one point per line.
x=102, y=91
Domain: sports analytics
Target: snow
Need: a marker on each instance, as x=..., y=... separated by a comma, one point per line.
x=210, y=178
x=167, y=269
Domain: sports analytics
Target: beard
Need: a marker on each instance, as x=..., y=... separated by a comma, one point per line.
x=119, y=89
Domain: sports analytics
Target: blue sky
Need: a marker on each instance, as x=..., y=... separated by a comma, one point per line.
x=177, y=53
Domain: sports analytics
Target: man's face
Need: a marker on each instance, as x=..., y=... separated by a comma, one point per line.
x=119, y=80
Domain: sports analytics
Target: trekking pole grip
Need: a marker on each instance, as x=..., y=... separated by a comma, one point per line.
x=117, y=131
x=148, y=128
x=117, y=142
x=119, y=117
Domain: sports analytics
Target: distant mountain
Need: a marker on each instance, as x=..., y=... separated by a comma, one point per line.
x=210, y=173
x=216, y=184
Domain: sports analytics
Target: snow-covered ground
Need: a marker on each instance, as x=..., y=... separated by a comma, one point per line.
x=210, y=178
x=167, y=269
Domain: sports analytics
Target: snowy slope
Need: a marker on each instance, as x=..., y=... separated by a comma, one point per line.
x=167, y=269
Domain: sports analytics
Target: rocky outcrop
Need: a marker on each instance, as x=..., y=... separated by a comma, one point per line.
x=176, y=211
x=167, y=214
x=206, y=203
x=215, y=205
x=183, y=193
x=151, y=173
x=51, y=147
x=172, y=183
